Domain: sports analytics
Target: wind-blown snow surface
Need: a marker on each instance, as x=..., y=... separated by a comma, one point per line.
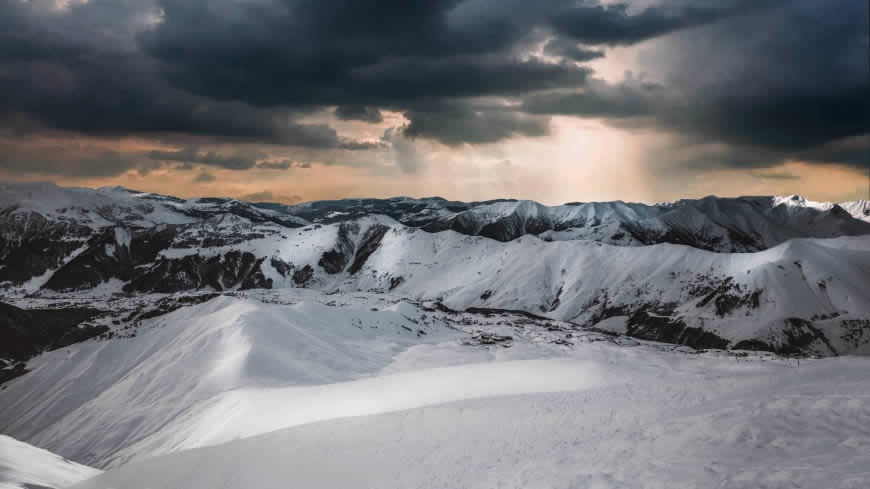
x=296, y=388
x=190, y=378
x=384, y=355
x=90, y=400
x=625, y=418
x=23, y=466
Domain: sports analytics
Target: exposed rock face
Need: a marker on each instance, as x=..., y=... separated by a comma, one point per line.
x=233, y=269
x=281, y=266
x=369, y=243
x=513, y=226
x=334, y=260
x=799, y=335
x=303, y=275
x=725, y=294
x=114, y=253
x=659, y=325
x=25, y=333
x=30, y=244
x=396, y=281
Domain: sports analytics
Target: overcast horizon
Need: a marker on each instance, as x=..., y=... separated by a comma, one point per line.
x=554, y=101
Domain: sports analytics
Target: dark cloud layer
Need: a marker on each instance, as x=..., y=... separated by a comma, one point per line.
x=571, y=49
x=275, y=165
x=631, y=98
x=359, y=113
x=58, y=160
x=204, y=177
x=767, y=78
x=217, y=68
x=457, y=123
x=192, y=155
x=267, y=196
x=785, y=83
x=615, y=24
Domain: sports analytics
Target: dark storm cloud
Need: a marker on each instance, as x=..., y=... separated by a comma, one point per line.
x=404, y=149
x=777, y=176
x=706, y=156
x=851, y=151
x=82, y=69
x=258, y=197
x=455, y=123
x=266, y=196
x=204, y=177
x=615, y=24
x=785, y=83
x=800, y=90
x=364, y=55
x=276, y=165
x=785, y=77
x=631, y=98
x=358, y=113
x=570, y=49
x=58, y=160
x=192, y=155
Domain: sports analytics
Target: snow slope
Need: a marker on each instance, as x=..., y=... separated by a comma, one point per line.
x=23, y=466
x=675, y=422
x=478, y=344
x=801, y=287
x=93, y=401
x=298, y=388
x=859, y=209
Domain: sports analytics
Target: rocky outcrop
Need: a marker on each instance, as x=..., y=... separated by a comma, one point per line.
x=334, y=260
x=303, y=275
x=659, y=324
x=25, y=333
x=370, y=242
x=31, y=245
x=114, y=253
x=230, y=270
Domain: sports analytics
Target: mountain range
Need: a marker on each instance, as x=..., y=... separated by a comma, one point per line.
x=775, y=273
x=146, y=334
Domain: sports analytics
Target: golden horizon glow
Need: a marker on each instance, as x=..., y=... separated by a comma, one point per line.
x=581, y=160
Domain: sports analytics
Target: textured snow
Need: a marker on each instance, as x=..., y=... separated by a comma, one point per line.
x=638, y=419
x=23, y=466
x=859, y=209
x=766, y=221
x=89, y=400
x=798, y=201
x=362, y=382
x=346, y=390
x=799, y=278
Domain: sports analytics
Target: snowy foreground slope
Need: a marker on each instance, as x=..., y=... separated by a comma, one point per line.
x=93, y=401
x=763, y=427
x=427, y=343
x=23, y=466
x=295, y=388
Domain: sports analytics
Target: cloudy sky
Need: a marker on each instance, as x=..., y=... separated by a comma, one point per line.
x=552, y=100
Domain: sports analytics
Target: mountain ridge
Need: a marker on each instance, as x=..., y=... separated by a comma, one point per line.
x=688, y=272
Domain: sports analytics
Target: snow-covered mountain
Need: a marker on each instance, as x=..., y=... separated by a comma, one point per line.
x=156, y=387
x=72, y=238
x=23, y=466
x=859, y=209
x=798, y=293
x=219, y=343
